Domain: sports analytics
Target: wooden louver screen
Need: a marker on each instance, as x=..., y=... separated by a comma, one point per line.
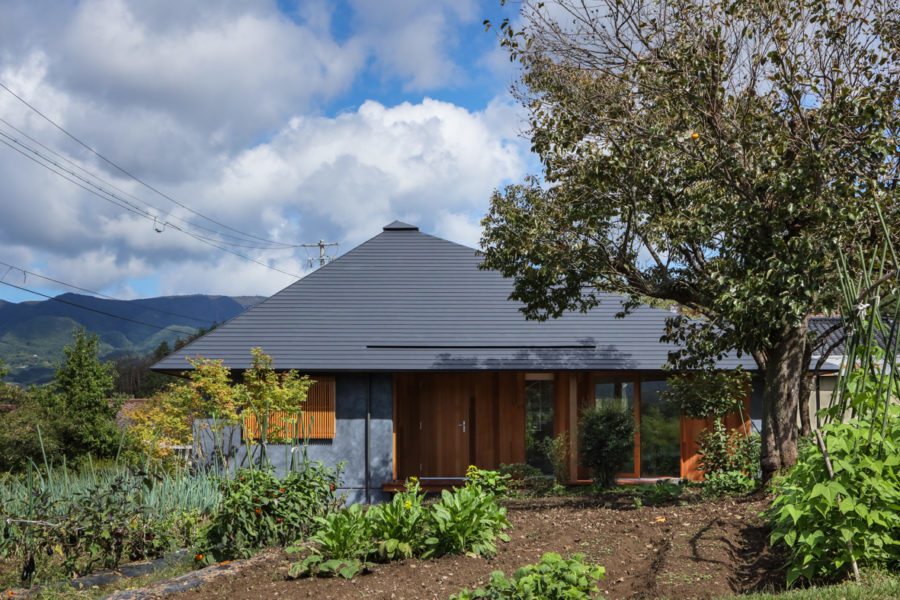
x=318, y=416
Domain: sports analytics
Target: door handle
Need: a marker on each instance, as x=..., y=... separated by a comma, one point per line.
x=463, y=425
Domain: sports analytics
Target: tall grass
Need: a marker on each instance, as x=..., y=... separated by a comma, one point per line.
x=163, y=492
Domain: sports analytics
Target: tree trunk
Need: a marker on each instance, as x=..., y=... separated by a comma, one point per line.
x=803, y=404
x=784, y=373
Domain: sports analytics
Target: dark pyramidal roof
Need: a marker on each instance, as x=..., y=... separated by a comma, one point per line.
x=408, y=301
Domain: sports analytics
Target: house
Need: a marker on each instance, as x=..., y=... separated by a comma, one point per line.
x=424, y=366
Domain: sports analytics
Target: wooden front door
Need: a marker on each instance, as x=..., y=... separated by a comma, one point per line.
x=446, y=431
x=434, y=425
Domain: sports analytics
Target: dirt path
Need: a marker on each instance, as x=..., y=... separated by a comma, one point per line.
x=697, y=550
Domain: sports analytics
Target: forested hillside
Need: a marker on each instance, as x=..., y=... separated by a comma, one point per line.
x=33, y=334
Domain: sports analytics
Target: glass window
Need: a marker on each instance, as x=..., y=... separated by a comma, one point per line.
x=538, y=423
x=660, y=433
x=618, y=393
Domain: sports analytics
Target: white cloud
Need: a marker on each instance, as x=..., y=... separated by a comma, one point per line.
x=413, y=39
x=219, y=104
x=462, y=228
x=338, y=179
x=360, y=170
x=167, y=87
x=228, y=73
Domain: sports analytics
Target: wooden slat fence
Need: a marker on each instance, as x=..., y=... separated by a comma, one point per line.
x=318, y=416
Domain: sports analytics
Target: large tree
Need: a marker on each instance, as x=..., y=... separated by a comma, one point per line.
x=721, y=155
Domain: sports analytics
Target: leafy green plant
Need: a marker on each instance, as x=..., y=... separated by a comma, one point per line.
x=828, y=520
x=662, y=492
x=722, y=450
x=259, y=509
x=728, y=483
x=730, y=461
x=605, y=441
x=466, y=520
x=346, y=543
x=554, y=578
x=399, y=525
x=489, y=482
x=342, y=545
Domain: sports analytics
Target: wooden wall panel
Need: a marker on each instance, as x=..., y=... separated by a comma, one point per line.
x=485, y=413
x=406, y=423
x=317, y=416
x=511, y=396
x=690, y=432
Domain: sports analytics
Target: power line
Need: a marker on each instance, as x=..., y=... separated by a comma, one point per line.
x=279, y=246
x=57, y=169
x=81, y=289
x=131, y=175
x=88, y=308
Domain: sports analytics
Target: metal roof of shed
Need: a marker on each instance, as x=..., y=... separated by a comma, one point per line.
x=408, y=301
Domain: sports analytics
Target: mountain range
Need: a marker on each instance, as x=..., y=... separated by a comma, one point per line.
x=33, y=334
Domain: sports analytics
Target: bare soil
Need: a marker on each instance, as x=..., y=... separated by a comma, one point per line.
x=686, y=549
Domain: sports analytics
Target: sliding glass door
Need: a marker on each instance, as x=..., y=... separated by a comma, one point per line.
x=538, y=420
x=657, y=444
x=618, y=393
x=660, y=433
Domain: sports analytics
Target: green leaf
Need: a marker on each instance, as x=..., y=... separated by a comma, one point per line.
x=790, y=537
x=349, y=571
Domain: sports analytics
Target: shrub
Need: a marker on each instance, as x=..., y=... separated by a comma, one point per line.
x=557, y=451
x=722, y=450
x=551, y=579
x=730, y=461
x=825, y=523
x=158, y=424
x=21, y=444
x=463, y=521
x=606, y=441
x=259, y=510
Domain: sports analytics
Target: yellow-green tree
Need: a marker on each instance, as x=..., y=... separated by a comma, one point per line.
x=211, y=403
x=160, y=423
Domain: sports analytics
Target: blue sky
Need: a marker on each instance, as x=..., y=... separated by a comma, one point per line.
x=219, y=125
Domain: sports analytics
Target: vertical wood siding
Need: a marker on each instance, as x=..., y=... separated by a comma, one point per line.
x=318, y=416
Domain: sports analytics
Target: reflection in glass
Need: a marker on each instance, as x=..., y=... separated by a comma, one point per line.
x=660, y=433
x=538, y=423
x=620, y=394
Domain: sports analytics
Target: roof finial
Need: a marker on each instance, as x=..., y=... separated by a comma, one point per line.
x=400, y=226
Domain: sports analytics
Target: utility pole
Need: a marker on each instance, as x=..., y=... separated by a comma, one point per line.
x=322, y=258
